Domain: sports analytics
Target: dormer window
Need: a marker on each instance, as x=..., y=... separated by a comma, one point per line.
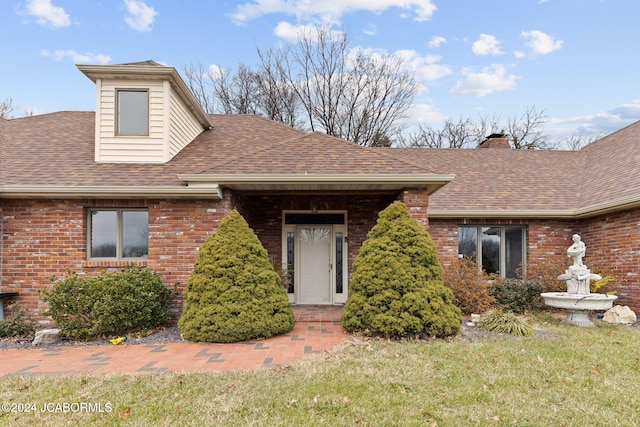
x=132, y=112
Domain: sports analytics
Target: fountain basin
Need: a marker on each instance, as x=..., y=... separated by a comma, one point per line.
x=579, y=305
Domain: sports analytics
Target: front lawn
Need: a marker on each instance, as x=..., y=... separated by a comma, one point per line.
x=570, y=377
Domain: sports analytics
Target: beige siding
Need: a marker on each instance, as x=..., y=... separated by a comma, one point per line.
x=138, y=149
x=183, y=127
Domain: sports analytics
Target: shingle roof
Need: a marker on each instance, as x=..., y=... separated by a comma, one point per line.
x=313, y=153
x=58, y=149
x=498, y=179
x=612, y=168
x=601, y=176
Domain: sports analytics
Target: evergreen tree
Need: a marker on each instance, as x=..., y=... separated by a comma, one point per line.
x=234, y=293
x=397, y=288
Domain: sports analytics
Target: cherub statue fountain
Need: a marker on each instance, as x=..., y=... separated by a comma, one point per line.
x=578, y=300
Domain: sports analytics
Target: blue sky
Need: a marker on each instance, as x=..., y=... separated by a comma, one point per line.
x=575, y=59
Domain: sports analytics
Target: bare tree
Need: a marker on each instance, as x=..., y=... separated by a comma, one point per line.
x=525, y=132
x=320, y=83
x=577, y=141
x=6, y=108
x=460, y=134
x=200, y=81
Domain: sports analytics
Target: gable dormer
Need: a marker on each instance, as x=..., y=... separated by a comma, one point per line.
x=145, y=113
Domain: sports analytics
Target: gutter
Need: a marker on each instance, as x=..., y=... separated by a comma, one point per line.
x=431, y=182
x=578, y=213
x=95, y=191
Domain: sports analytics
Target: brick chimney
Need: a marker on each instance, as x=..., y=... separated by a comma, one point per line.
x=495, y=140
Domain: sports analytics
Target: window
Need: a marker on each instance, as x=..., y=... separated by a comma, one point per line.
x=498, y=249
x=118, y=233
x=133, y=112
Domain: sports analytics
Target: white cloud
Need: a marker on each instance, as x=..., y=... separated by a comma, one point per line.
x=46, y=14
x=292, y=33
x=437, y=41
x=370, y=30
x=216, y=71
x=77, y=58
x=140, y=16
x=426, y=68
x=491, y=79
x=328, y=11
x=540, y=43
x=424, y=113
x=487, y=45
x=600, y=123
x=628, y=111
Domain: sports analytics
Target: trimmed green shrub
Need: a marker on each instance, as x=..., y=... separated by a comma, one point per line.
x=110, y=304
x=505, y=322
x=396, y=288
x=518, y=295
x=17, y=325
x=234, y=293
x=469, y=284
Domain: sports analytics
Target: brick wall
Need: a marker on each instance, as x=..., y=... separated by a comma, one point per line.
x=264, y=215
x=417, y=202
x=545, y=238
x=44, y=238
x=613, y=242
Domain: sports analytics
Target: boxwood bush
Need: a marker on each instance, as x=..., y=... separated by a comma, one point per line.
x=397, y=288
x=110, y=304
x=17, y=325
x=234, y=293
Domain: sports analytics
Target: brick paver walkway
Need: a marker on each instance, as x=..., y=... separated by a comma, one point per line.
x=317, y=329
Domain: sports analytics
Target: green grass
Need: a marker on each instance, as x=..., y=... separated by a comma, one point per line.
x=576, y=377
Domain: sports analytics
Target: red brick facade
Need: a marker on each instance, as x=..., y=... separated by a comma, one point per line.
x=613, y=240
x=264, y=215
x=44, y=238
x=545, y=238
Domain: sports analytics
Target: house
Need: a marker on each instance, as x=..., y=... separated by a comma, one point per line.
x=148, y=176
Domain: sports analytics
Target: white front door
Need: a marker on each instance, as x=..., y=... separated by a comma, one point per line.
x=314, y=264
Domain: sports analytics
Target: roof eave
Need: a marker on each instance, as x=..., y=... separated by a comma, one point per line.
x=594, y=210
x=311, y=182
x=500, y=213
x=629, y=202
x=120, y=192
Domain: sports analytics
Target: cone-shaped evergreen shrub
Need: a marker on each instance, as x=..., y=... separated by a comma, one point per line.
x=234, y=293
x=397, y=288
